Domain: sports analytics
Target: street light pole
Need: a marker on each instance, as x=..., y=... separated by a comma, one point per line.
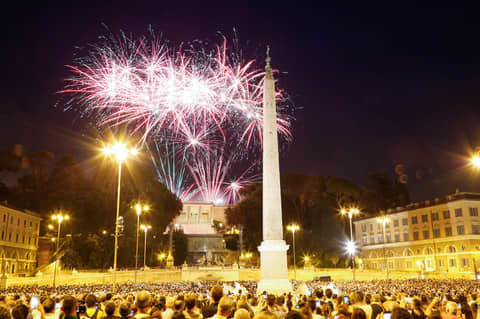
x=121, y=153
x=384, y=220
x=138, y=208
x=115, y=251
x=350, y=213
x=58, y=218
x=293, y=228
x=145, y=229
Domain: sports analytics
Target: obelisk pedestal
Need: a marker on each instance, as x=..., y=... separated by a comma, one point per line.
x=273, y=250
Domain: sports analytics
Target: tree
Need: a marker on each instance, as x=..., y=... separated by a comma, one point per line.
x=181, y=250
x=334, y=259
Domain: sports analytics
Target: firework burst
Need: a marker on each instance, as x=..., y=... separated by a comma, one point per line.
x=191, y=105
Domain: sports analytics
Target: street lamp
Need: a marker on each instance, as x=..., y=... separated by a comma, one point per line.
x=384, y=220
x=350, y=212
x=120, y=153
x=59, y=218
x=293, y=228
x=138, y=208
x=145, y=228
x=475, y=160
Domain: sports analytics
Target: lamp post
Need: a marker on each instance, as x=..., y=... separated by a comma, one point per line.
x=350, y=212
x=138, y=208
x=59, y=218
x=384, y=220
x=120, y=153
x=145, y=228
x=293, y=228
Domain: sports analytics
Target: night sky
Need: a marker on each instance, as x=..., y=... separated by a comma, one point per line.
x=374, y=86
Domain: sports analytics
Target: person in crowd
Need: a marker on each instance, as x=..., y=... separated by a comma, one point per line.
x=143, y=301
x=358, y=301
x=451, y=311
x=93, y=311
x=110, y=310
x=69, y=307
x=242, y=314
x=5, y=313
x=211, y=308
x=401, y=313
x=225, y=308
x=20, y=312
x=125, y=310
x=358, y=313
x=191, y=309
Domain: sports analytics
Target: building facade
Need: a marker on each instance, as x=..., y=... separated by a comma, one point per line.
x=440, y=235
x=18, y=239
x=205, y=245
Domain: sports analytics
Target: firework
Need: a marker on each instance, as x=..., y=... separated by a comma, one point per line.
x=192, y=107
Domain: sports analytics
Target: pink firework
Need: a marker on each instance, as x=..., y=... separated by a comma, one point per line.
x=200, y=105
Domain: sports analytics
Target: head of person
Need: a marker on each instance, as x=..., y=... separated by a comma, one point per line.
x=5, y=313
x=293, y=315
x=435, y=314
x=357, y=297
x=90, y=300
x=242, y=314
x=266, y=315
x=319, y=293
x=170, y=302
x=48, y=305
x=400, y=313
x=225, y=306
x=451, y=308
x=109, y=308
x=143, y=300
x=328, y=293
x=125, y=309
x=216, y=293
x=20, y=312
x=358, y=313
x=190, y=302
x=178, y=315
x=69, y=305
x=270, y=300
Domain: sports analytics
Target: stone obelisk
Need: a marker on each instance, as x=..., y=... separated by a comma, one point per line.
x=273, y=250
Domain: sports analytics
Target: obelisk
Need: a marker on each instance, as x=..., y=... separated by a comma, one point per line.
x=273, y=250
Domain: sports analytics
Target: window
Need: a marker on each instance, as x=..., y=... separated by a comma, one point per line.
x=11, y=219
x=9, y=236
x=424, y=218
x=205, y=218
x=440, y=263
x=476, y=229
x=473, y=211
x=29, y=240
x=18, y=221
x=397, y=237
x=436, y=233
x=395, y=223
x=434, y=216
x=465, y=262
x=409, y=264
x=415, y=235
x=446, y=214
x=23, y=239
x=374, y=266
x=30, y=224
x=390, y=265
x=371, y=227
x=460, y=229
x=453, y=263
x=372, y=240
x=426, y=234
x=458, y=212
x=405, y=236
x=414, y=220
x=364, y=240
x=405, y=221
x=16, y=238
x=451, y=249
x=3, y=234
x=182, y=219
x=380, y=239
x=364, y=228
x=379, y=227
x=4, y=218
x=388, y=238
x=448, y=231
x=24, y=223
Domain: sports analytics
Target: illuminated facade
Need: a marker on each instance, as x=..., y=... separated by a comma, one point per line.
x=18, y=239
x=441, y=235
x=205, y=245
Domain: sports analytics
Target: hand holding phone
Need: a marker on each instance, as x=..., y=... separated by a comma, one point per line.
x=34, y=302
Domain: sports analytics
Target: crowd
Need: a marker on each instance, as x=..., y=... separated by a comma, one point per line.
x=393, y=299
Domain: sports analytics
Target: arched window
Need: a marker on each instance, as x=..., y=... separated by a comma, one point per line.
x=428, y=251
x=407, y=252
x=451, y=249
x=390, y=253
x=373, y=254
